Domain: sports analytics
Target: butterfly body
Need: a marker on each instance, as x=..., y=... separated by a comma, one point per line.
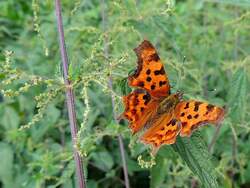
x=168, y=104
x=152, y=108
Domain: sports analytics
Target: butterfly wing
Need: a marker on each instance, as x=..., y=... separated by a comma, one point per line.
x=193, y=114
x=162, y=131
x=150, y=74
x=139, y=108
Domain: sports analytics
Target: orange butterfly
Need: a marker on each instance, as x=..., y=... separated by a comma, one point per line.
x=163, y=115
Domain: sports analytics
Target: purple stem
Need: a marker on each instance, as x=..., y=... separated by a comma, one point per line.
x=69, y=96
x=121, y=145
x=110, y=85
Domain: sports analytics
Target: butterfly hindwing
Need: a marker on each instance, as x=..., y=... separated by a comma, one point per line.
x=150, y=74
x=193, y=114
x=162, y=131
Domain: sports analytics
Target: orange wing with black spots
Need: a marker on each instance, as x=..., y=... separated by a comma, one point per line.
x=162, y=115
x=164, y=130
x=150, y=74
x=139, y=108
x=193, y=114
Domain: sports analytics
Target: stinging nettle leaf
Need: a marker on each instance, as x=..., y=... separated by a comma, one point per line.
x=237, y=95
x=103, y=160
x=194, y=152
x=158, y=172
x=231, y=2
x=6, y=170
x=10, y=119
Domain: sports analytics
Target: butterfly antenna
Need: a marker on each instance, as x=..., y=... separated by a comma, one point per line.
x=179, y=94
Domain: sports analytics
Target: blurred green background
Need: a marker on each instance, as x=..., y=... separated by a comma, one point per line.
x=205, y=46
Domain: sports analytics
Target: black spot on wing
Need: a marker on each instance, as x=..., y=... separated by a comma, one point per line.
x=161, y=71
x=154, y=57
x=187, y=106
x=196, y=116
x=148, y=79
x=173, y=122
x=148, y=72
x=196, y=106
x=133, y=111
x=161, y=83
x=141, y=84
x=135, y=101
x=184, y=124
x=210, y=108
x=152, y=87
x=146, y=98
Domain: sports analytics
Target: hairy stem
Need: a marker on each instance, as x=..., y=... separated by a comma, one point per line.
x=110, y=85
x=69, y=95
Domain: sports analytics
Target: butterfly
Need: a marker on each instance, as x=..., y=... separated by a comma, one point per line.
x=151, y=106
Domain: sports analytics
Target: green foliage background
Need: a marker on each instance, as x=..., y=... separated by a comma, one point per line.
x=205, y=48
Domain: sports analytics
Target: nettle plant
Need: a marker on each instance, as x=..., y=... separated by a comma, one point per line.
x=100, y=39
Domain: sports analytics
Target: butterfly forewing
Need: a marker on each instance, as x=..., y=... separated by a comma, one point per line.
x=150, y=74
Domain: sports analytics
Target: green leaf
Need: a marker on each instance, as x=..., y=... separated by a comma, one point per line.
x=237, y=95
x=52, y=115
x=103, y=160
x=10, y=119
x=138, y=25
x=132, y=165
x=25, y=103
x=194, y=152
x=123, y=85
x=92, y=184
x=158, y=172
x=6, y=170
x=66, y=174
x=232, y=2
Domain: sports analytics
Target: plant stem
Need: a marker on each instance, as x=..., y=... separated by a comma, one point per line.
x=69, y=95
x=110, y=85
x=121, y=145
x=216, y=134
